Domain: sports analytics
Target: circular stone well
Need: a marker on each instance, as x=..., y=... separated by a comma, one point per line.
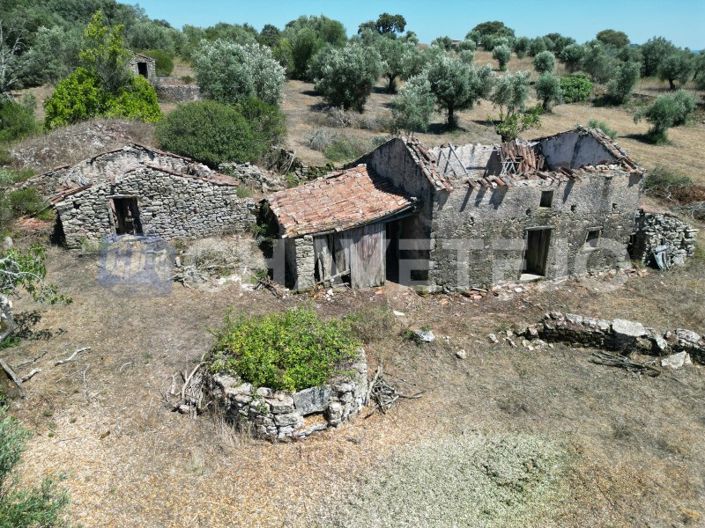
x=281, y=415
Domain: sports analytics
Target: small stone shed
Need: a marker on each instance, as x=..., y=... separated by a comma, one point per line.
x=458, y=217
x=145, y=66
x=137, y=190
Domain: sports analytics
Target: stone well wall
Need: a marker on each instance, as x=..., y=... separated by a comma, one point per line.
x=616, y=334
x=282, y=416
x=662, y=240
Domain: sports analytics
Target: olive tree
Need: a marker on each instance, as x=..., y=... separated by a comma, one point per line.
x=230, y=73
x=572, y=56
x=398, y=58
x=345, y=76
x=625, y=78
x=548, y=90
x=654, y=51
x=510, y=93
x=667, y=111
x=457, y=85
x=502, y=54
x=545, y=62
x=413, y=107
x=678, y=66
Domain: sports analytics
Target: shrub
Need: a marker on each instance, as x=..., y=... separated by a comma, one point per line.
x=511, y=93
x=548, y=90
x=372, y=323
x=545, y=62
x=537, y=45
x=293, y=350
x=24, y=508
x=210, y=132
x=81, y=96
x=601, y=125
x=521, y=46
x=576, y=88
x=267, y=121
x=623, y=82
x=572, y=56
x=26, y=201
x=230, y=72
x=164, y=61
x=502, y=55
x=16, y=120
x=667, y=111
x=345, y=76
x=663, y=182
x=413, y=107
x=598, y=62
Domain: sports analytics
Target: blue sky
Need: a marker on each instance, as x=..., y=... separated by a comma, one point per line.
x=682, y=21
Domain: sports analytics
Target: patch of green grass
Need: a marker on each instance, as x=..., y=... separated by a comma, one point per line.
x=291, y=350
x=601, y=125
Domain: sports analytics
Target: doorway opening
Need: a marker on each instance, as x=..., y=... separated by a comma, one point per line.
x=142, y=69
x=127, y=216
x=538, y=242
x=392, y=251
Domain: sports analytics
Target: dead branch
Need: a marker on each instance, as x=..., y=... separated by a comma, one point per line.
x=29, y=376
x=616, y=360
x=124, y=366
x=11, y=373
x=34, y=360
x=188, y=381
x=71, y=357
x=268, y=284
x=383, y=394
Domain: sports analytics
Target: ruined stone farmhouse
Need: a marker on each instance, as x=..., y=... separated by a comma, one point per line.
x=137, y=190
x=453, y=218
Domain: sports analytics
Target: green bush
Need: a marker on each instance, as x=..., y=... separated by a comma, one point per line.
x=16, y=120
x=601, y=125
x=545, y=62
x=667, y=111
x=576, y=88
x=626, y=76
x=80, y=96
x=214, y=133
x=24, y=508
x=662, y=181
x=26, y=201
x=164, y=61
x=293, y=350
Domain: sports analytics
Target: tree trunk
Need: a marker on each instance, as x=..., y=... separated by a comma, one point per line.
x=671, y=84
x=451, y=116
x=7, y=322
x=391, y=87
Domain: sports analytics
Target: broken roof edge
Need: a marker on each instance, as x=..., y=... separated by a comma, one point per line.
x=427, y=163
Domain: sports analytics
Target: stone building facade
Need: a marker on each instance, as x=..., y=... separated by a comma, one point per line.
x=474, y=215
x=138, y=190
x=144, y=66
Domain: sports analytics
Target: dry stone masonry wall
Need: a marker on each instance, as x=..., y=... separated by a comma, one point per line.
x=662, y=240
x=616, y=334
x=282, y=416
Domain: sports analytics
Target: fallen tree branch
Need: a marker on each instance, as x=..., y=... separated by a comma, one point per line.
x=29, y=376
x=30, y=361
x=71, y=357
x=615, y=360
x=11, y=373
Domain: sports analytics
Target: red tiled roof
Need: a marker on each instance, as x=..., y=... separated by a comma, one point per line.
x=338, y=202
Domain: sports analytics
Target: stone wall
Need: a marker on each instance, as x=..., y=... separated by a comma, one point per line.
x=662, y=240
x=490, y=226
x=253, y=176
x=151, y=67
x=176, y=92
x=170, y=206
x=281, y=415
x=616, y=334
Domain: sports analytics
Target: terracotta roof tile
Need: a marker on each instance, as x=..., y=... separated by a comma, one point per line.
x=340, y=201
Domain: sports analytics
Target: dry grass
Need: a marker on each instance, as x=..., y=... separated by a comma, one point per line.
x=636, y=445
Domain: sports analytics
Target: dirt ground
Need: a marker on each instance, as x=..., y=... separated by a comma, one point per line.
x=632, y=447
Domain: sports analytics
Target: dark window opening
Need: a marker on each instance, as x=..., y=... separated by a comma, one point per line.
x=546, y=198
x=573, y=208
x=142, y=69
x=538, y=242
x=392, y=252
x=127, y=216
x=614, y=206
x=592, y=239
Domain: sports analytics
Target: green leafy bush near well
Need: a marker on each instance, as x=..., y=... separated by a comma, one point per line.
x=576, y=88
x=215, y=133
x=291, y=350
x=16, y=120
x=21, y=507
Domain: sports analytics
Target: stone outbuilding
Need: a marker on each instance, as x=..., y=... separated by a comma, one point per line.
x=145, y=66
x=138, y=190
x=454, y=218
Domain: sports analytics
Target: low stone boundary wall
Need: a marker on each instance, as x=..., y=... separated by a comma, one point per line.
x=662, y=240
x=282, y=416
x=616, y=334
x=177, y=93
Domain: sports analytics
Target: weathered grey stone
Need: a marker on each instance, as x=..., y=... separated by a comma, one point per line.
x=313, y=400
x=281, y=403
x=289, y=419
x=628, y=329
x=687, y=337
x=676, y=361
x=334, y=413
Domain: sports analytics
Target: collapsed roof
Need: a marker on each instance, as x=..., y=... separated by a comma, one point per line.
x=558, y=157
x=341, y=201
